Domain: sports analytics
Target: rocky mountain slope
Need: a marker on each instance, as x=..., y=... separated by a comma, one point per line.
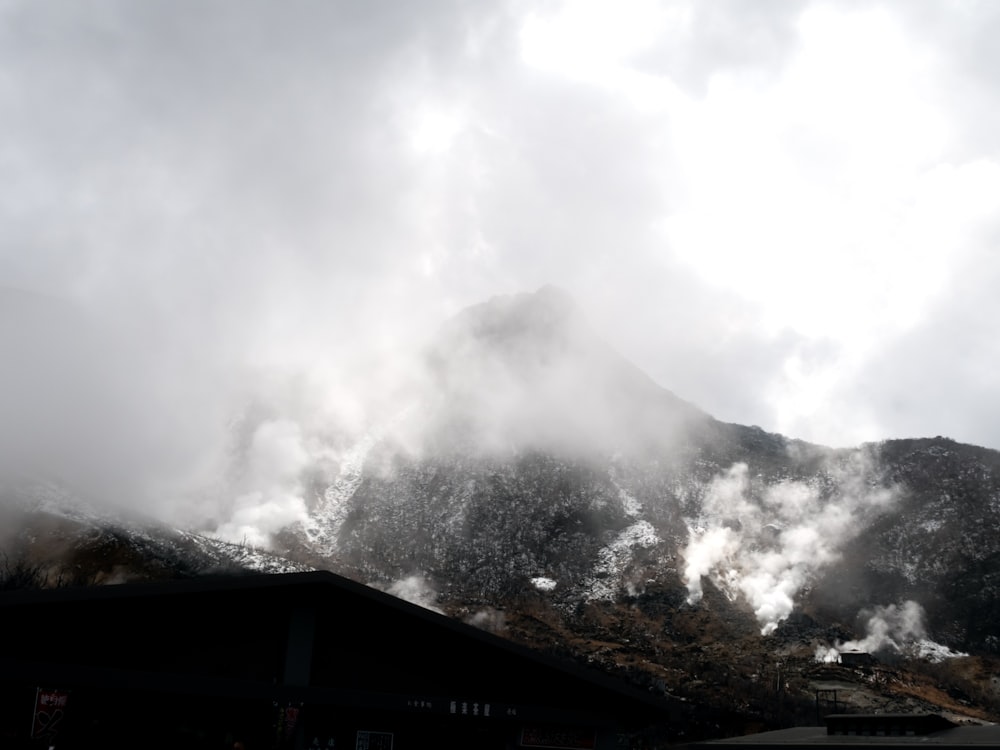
x=541, y=481
x=536, y=483
x=52, y=537
x=937, y=545
x=535, y=456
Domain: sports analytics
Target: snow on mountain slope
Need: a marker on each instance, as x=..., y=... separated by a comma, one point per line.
x=534, y=453
x=613, y=560
x=541, y=476
x=79, y=539
x=325, y=521
x=540, y=459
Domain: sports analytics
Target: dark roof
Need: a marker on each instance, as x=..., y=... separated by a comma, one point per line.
x=869, y=730
x=887, y=724
x=319, y=586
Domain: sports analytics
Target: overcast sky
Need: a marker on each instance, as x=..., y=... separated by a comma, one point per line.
x=786, y=212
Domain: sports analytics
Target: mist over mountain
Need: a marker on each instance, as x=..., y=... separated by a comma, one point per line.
x=530, y=428
x=527, y=372
x=523, y=475
x=533, y=457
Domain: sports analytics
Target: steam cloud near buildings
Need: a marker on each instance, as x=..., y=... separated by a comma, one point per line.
x=767, y=543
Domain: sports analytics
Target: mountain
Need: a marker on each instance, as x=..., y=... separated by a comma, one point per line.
x=539, y=483
x=539, y=479
x=535, y=482
x=53, y=537
x=534, y=443
x=937, y=545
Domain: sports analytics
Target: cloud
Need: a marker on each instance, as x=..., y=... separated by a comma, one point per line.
x=936, y=379
x=773, y=209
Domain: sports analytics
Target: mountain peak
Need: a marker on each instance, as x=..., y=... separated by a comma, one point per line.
x=549, y=312
x=527, y=370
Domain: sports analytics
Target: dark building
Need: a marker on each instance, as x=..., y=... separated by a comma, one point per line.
x=846, y=731
x=290, y=661
x=856, y=659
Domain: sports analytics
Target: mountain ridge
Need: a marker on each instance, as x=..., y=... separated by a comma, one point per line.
x=539, y=484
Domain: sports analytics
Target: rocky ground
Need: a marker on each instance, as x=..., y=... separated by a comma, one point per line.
x=735, y=680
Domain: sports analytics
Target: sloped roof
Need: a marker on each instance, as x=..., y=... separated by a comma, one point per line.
x=321, y=589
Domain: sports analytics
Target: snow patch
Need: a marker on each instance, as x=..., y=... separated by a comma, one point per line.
x=325, y=522
x=630, y=505
x=244, y=556
x=931, y=525
x=935, y=652
x=614, y=559
x=543, y=584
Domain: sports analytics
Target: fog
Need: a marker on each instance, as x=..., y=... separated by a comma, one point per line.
x=227, y=233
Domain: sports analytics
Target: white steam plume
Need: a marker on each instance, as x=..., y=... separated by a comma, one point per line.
x=416, y=590
x=895, y=628
x=769, y=549
x=489, y=619
x=273, y=496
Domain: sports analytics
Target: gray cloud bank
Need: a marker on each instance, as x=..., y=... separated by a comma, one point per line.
x=219, y=212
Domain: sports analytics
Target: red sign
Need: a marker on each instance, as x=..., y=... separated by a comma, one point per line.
x=50, y=712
